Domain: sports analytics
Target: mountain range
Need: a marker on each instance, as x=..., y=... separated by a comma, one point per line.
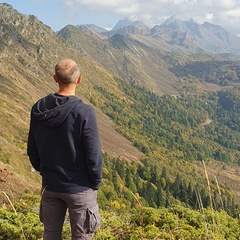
x=186, y=36
x=155, y=59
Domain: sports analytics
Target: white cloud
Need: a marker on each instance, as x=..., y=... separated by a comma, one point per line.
x=209, y=16
x=225, y=13
x=229, y=4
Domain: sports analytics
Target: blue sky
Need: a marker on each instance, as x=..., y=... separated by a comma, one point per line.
x=106, y=13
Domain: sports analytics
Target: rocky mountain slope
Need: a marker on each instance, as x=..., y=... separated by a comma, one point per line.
x=124, y=57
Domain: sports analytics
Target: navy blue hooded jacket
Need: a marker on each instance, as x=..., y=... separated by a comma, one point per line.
x=64, y=145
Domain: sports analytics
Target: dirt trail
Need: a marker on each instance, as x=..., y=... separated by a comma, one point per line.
x=207, y=122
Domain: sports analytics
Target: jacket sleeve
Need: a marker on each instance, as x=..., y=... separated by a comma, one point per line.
x=93, y=148
x=32, y=151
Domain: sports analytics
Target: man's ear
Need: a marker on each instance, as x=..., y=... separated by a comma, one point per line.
x=55, y=78
x=79, y=79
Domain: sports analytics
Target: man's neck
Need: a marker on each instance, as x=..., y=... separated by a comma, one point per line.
x=66, y=91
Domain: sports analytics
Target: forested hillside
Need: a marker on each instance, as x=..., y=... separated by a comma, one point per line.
x=193, y=126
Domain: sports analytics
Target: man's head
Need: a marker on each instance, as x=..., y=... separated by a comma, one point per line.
x=67, y=72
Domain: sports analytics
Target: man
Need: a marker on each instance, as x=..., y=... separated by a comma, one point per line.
x=64, y=146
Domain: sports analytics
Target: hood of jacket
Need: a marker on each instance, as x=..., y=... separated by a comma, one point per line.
x=53, y=109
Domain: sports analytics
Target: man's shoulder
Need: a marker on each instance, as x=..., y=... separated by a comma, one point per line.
x=84, y=107
x=43, y=99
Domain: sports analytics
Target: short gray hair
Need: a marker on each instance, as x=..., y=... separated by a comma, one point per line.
x=67, y=71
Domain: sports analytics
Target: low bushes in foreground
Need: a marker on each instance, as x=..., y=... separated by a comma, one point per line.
x=19, y=221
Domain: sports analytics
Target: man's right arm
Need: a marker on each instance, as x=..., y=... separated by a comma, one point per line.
x=32, y=151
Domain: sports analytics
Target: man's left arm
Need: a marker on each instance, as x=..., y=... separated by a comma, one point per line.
x=93, y=149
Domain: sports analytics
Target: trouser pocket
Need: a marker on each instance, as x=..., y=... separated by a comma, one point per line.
x=93, y=219
x=40, y=212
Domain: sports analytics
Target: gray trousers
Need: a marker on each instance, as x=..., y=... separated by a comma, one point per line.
x=83, y=214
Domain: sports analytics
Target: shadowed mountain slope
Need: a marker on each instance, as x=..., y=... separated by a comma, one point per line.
x=124, y=57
